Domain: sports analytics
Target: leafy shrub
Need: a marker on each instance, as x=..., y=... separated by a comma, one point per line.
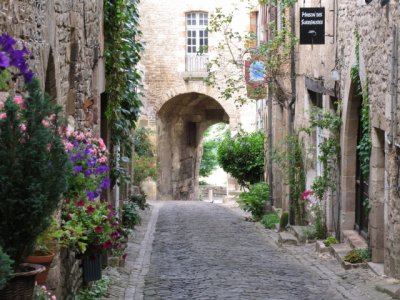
x=140, y=200
x=254, y=200
x=270, y=220
x=209, y=160
x=144, y=166
x=42, y=293
x=330, y=240
x=356, y=256
x=284, y=220
x=5, y=268
x=310, y=233
x=143, y=146
x=242, y=156
x=130, y=214
x=96, y=291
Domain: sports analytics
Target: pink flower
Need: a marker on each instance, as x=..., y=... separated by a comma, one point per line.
x=52, y=117
x=45, y=123
x=80, y=136
x=48, y=147
x=88, y=133
x=1, y=104
x=68, y=146
x=103, y=159
x=3, y=115
x=22, y=127
x=53, y=297
x=75, y=133
x=67, y=132
x=109, y=207
x=19, y=101
x=306, y=194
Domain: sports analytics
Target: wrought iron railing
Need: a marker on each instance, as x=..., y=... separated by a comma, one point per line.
x=196, y=63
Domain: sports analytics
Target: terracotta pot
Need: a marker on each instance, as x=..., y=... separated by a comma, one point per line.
x=44, y=260
x=22, y=283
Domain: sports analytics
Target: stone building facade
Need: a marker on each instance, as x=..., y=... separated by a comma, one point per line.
x=365, y=206
x=178, y=105
x=65, y=38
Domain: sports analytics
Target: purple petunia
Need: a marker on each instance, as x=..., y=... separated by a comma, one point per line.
x=4, y=60
x=7, y=42
x=77, y=169
x=87, y=173
x=105, y=183
x=91, y=195
x=101, y=169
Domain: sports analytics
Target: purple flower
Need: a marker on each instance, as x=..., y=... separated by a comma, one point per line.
x=91, y=162
x=7, y=42
x=28, y=76
x=101, y=169
x=77, y=169
x=91, y=195
x=4, y=60
x=87, y=173
x=105, y=183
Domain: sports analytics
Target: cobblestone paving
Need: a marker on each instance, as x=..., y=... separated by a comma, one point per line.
x=205, y=251
x=196, y=250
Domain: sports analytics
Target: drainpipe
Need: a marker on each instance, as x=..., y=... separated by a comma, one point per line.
x=393, y=110
x=291, y=106
x=117, y=191
x=270, y=173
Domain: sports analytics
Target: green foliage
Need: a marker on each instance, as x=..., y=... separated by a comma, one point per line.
x=130, y=215
x=356, y=256
x=290, y=159
x=310, y=233
x=255, y=199
x=320, y=225
x=330, y=240
x=42, y=293
x=122, y=55
x=144, y=167
x=209, y=160
x=143, y=146
x=32, y=171
x=5, y=268
x=96, y=291
x=283, y=222
x=242, y=156
x=139, y=199
x=269, y=221
x=5, y=78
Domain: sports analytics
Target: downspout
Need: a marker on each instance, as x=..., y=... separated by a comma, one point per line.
x=291, y=106
x=270, y=141
x=393, y=110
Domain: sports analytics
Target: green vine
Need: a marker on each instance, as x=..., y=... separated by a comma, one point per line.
x=290, y=159
x=122, y=54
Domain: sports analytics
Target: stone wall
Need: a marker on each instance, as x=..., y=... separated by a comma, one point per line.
x=375, y=26
x=65, y=38
x=166, y=80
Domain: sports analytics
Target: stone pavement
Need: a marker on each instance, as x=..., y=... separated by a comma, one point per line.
x=208, y=251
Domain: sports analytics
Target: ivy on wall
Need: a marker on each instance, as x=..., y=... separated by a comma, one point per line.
x=122, y=55
x=364, y=146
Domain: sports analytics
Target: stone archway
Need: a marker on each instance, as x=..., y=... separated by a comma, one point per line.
x=181, y=123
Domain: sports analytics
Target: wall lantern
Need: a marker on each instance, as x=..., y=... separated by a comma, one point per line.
x=335, y=75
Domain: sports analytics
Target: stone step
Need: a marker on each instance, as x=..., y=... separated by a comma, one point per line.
x=300, y=232
x=287, y=238
x=355, y=240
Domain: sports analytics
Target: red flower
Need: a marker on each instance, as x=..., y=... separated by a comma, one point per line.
x=305, y=194
x=107, y=245
x=80, y=203
x=90, y=209
x=99, y=229
x=67, y=201
x=109, y=207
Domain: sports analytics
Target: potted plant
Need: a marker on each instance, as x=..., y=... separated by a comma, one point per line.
x=44, y=251
x=33, y=166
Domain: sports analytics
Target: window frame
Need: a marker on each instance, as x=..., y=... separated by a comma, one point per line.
x=196, y=32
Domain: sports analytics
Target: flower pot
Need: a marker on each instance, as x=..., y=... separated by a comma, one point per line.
x=22, y=283
x=44, y=260
x=91, y=264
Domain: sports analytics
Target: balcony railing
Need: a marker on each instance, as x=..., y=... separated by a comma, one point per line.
x=196, y=64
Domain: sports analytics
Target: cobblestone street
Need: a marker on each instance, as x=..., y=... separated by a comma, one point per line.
x=207, y=251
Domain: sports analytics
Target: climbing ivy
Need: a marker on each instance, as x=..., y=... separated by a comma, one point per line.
x=364, y=146
x=290, y=159
x=122, y=55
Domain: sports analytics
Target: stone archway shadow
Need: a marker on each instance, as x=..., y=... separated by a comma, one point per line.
x=181, y=122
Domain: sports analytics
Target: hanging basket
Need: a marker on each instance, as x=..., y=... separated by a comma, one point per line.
x=21, y=284
x=91, y=264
